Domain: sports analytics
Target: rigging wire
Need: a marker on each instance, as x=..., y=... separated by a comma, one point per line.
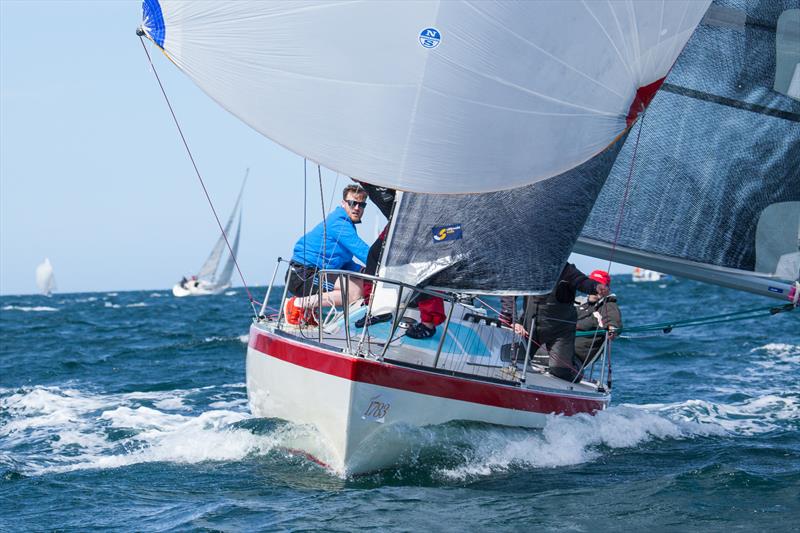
x=199, y=177
x=667, y=327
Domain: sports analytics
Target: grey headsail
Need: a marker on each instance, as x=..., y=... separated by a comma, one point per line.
x=225, y=274
x=506, y=242
x=715, y=189
x=208, y=270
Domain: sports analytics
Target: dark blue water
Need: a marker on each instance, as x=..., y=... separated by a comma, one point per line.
x=128, y=411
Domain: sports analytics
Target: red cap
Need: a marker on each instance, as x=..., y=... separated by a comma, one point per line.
x=601, y=276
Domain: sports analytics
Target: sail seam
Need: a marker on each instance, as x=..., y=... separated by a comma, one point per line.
x=414, y=108
x=730, y=102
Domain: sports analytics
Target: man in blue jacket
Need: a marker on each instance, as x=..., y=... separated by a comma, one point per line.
x=331, y=245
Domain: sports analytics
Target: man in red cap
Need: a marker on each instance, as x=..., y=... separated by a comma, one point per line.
x=551, y=319
x=594, y=315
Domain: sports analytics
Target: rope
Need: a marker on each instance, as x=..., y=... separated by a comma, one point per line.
x=627, y=190
x=667, y=327
x=202, y=184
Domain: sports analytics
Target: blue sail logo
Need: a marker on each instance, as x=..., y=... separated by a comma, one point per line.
x=430, y=37
x=446, y=233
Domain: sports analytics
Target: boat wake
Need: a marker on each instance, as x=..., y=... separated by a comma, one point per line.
x=51, y=430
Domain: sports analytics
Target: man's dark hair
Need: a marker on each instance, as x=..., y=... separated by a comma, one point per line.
x=354, y=188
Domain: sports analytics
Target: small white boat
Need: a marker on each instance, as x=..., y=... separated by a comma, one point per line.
x=643, y=275
x=45, y=279
x=208, y=281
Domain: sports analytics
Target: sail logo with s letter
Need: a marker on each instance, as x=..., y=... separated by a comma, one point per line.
x=430, y=37
x=446, y=233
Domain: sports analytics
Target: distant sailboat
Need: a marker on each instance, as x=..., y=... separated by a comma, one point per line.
x=45, y=279
x=642, y=274
x=208, y=280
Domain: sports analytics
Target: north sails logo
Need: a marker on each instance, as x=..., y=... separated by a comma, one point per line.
x=430, y=37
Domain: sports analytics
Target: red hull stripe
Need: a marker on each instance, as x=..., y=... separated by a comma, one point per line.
x=409, y=379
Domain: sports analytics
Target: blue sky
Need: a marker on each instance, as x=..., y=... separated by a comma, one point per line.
x=93, y=173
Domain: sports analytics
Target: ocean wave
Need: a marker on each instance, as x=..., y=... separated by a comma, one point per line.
x=137, y=304
x=111, y=305
x=29, y=309
x=778, y=354
x=566, y=440
x=67, y=429
x=757, y=415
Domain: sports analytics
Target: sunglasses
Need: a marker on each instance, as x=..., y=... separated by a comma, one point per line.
x=354, y=203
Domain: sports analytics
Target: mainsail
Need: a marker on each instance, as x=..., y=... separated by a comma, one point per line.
x=505, y=242
x=444, y=97
x=45, y=279
x=715, y=189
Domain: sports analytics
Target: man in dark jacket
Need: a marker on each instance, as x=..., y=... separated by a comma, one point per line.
x=551, y=319
x=597, y=314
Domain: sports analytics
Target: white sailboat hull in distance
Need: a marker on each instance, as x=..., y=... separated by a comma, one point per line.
x=366, y=411
x=201, y=289
x=644, y=275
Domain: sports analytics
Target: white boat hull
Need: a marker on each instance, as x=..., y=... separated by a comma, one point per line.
x=201, y=290
x=363, y=408
x=641, y=275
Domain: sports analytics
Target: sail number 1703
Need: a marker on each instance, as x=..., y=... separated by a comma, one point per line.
x=377, y=410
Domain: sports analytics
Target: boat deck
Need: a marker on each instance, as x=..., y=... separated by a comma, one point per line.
x=471, y=350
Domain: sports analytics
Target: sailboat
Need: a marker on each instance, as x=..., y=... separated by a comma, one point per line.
x=521, y=118
x=640, y=275
x=211, y=279
x=45, y=279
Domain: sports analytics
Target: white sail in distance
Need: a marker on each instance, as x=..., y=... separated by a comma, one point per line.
x=45, y=279
x=441, y=97
x=208, y=270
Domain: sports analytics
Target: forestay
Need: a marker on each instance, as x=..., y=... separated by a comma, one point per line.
x=715, y=191
x=444, y=97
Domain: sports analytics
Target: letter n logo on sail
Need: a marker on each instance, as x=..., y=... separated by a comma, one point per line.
x=430, y=37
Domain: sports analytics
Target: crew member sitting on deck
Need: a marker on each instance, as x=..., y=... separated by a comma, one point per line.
x=551, y=318
x=594, y=315
x=331, y=245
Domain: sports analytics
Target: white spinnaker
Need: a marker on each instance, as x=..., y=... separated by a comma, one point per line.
x=511, y=93
x=45, y=279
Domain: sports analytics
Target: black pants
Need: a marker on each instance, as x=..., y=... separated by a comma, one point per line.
x=554, y=332
x=303, y=280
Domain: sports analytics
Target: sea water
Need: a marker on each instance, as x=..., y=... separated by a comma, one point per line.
x=128, y=411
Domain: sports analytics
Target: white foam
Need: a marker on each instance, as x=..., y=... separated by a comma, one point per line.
x=137, y=304
x=244, y=338
x=170, y=403
x=112, y=306
x=73, y=425
x=230, y=293
x=37, y=308
x=761, y=414
x=156, y=295
x=569, y=440
x=111, y=294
